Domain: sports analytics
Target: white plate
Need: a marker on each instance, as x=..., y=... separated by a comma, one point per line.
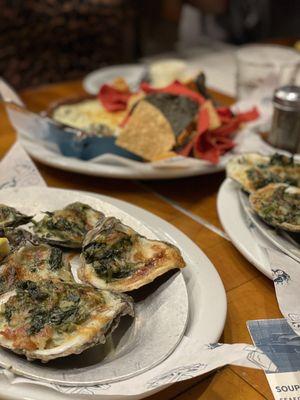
x=113, y=166
x=132, y=73
x=237, y=227
x=112, y=170
x=278, y=237
x=207, y=298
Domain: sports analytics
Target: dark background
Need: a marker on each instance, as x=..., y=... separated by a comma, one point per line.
x=44, y=41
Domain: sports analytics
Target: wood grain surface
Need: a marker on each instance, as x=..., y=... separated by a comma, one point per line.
x=250, y=294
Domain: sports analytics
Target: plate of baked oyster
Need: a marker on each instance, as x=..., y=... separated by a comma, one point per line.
x=88, y=294
x=269, y=193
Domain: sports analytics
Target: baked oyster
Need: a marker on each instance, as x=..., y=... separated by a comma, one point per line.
x=35, y=263
x=67, y=227
x=254, y=171
x=49, y=319
x=9, y=216
x=278, y=205
x=116, y=257
x=18, y=237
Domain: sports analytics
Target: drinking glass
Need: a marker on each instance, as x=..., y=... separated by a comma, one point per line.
x=263, y=68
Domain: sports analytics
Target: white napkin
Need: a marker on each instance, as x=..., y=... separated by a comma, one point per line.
x=17, y=169
x=286, y=278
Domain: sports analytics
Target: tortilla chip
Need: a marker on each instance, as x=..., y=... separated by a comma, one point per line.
x=134, y=99
x=169, y=154
x=180, y=111
x=147, y=133
x=214, y=119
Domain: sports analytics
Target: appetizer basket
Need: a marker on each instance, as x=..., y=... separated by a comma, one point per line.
x=63, y=139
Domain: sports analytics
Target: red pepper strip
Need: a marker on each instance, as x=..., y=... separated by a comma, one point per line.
x=113, y=99
x=248, y=115
x=210, y=147
x=206, y=151
x=224, y=112
x=227, y=129
x=222, y=143
x=212, y=144
x=202, y=126
x=203, y=121
x=225, y=120
x=175, y=88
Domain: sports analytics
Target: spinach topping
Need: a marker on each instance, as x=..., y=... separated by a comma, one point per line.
x=32, y=289
x=5, y=212
x=55, y=259
x=9, y=216
x=8, y=312
x=3, y=284
x=53, y=304
x=61, y=226
x=109, y=259
x=281, y=207
x=38, y=321
x=262, y=177
x=280, y=159
x=56, y=317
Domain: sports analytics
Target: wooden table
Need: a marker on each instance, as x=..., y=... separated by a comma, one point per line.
x=250, y=294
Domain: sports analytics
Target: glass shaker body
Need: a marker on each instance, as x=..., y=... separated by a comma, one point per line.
x=285, y=131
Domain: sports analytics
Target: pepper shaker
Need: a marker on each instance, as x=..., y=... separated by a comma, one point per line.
x=285, y=131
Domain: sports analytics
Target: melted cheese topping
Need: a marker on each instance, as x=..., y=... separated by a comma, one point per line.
x=88, y=115
x=97, y=312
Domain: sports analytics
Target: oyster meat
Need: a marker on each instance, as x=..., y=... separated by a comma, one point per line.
x=9, y=216
x=254, y=171
x=49, y=319
x=35, y=263
x=67, y=227
x=278, y=205
x=116, y=257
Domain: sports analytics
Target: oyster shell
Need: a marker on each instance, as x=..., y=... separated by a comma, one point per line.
x=50, y=319
x=254, y=171
x=67, y=227
x=278, y=205
x=116, y=257
x=35, y=263
x=9, y=216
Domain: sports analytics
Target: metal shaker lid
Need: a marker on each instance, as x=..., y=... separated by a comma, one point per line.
x=288, y=97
